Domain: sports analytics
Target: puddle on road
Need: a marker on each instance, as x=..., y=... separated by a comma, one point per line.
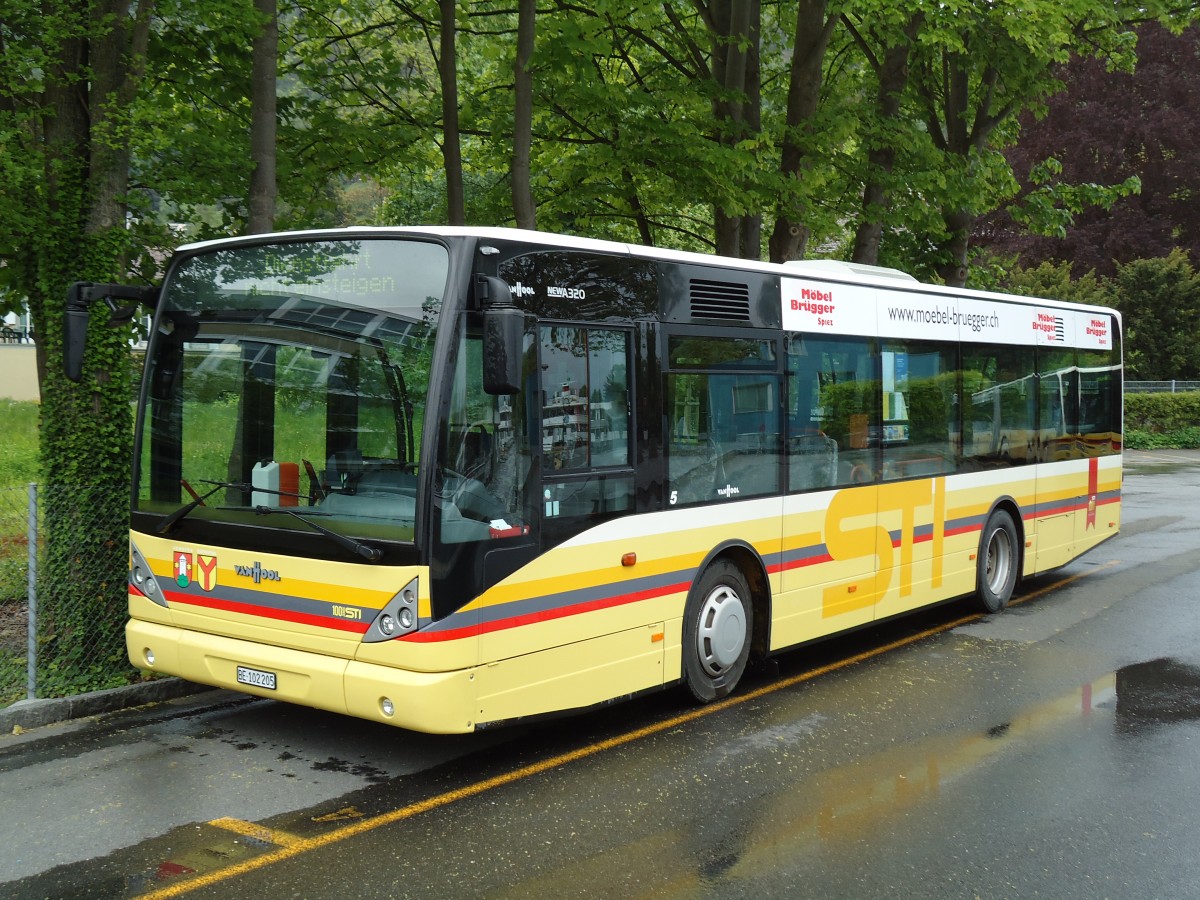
x=1155, y=693
x=841, y=805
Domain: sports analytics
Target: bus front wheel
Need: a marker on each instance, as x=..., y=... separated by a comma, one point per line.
x=997, y=562
x=718, y=625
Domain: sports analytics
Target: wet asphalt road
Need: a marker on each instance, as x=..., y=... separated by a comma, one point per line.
x=1050, y=751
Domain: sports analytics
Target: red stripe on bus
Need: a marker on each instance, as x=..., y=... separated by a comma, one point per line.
x=801, y=563
x=267, y=612
x=545, y=615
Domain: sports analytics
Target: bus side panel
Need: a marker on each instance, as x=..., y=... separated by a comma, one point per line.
x=828, y=563
x=1098, y=514
x=581, y=589
x=1078, y=506
x=573, y=675
x=1060, y=487
x=579, y=605
x=934, y=526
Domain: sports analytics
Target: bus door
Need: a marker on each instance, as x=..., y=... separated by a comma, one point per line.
x=1079, y=420
x=586, y=428
x=484, y=521
x=581, y=634
x=1057, y=485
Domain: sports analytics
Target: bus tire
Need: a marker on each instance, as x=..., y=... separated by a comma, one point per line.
x=997, y=563
x=717, y=631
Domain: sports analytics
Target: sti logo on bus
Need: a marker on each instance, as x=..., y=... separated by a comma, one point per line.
x=910, y=500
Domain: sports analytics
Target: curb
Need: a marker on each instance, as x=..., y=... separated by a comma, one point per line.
x=26, y=714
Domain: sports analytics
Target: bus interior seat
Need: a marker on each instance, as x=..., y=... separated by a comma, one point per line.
x=814, y=461
x=343, y=470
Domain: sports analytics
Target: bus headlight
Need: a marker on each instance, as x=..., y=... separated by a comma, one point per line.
x=398, y=617
x=142, y=577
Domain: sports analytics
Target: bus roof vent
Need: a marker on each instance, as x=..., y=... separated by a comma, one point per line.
x=847, y=268
x=725, y=300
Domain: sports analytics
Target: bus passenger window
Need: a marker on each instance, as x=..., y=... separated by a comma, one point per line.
x=999, y=406
x=724, y=398
x=1099, y=402
x=585, y=404
x=920, y=409
x=833, y=412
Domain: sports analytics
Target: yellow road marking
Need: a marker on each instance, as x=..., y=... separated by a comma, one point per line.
x=299, y=846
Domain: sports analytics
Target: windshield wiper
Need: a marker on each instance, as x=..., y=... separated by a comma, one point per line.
x=366, y=551
x=165, y=525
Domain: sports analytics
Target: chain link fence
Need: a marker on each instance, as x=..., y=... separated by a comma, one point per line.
x=1161, y=387
x=62, y=599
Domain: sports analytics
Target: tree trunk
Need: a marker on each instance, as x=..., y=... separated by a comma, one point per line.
x=814, y=27
x=523, y=204
x=964, y=135
x=91, y=80
x=456, y=208
x=881, y=158
x=735, y=26
x=264, y=57
x=955, y=265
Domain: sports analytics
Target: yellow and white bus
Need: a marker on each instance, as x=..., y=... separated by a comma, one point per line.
x=446, y=478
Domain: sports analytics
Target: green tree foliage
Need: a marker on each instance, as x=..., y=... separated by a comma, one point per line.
x=1057, y=281
x=1160, y=302
x=69, y=77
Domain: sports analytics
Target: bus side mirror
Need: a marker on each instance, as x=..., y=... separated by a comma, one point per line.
x=503, y=337
x=80, y=296
x=75, y=332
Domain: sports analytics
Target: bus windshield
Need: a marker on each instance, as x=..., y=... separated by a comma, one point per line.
x=286, y=385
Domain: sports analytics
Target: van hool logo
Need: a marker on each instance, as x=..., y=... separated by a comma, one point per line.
x=257, y=572
x=521, y=290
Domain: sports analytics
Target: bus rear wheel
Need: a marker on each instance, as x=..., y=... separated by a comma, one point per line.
x=997, y=562
x=717, y=631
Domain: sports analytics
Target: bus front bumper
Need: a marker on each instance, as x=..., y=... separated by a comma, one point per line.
x=432, y=702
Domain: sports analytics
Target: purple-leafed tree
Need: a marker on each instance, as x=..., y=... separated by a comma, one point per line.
x=1103, y=129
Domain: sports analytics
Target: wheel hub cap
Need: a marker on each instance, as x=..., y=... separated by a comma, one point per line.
x=722, y=632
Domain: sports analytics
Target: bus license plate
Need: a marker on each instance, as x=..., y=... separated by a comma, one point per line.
x=256, y=678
